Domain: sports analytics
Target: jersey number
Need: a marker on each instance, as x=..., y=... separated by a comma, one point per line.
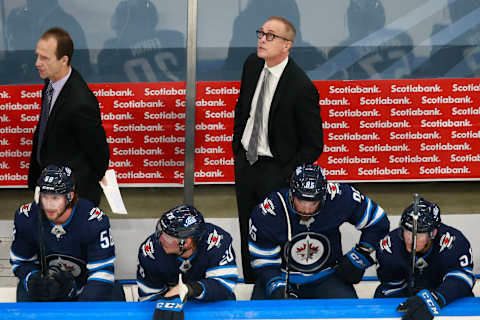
x=227, y=257
x=464, y=260
x=106, y=239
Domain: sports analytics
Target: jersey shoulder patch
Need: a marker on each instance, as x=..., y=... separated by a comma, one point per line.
x=25, y=209
x=147, y=249
x=386, y=244
x=95, y=213
x=267, y=207
x=333, y=189
x=214, y=239
x=446, y=241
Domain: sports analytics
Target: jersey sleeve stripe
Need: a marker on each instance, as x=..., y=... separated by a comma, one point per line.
x=379, y=213
x=254, y=250
x=366, y=215
x=227, y=271
x=460, y=275
x=388, y=292
x=149, y=290
x=230, y=285
x=202, y=295
x=302, y=278
x=103, y=276
x=100, y=264
x=258, y=263
x=17, y=259
x=25, y=281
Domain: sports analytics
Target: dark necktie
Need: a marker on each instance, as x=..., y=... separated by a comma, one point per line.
x=42, y=125
x=252, y=151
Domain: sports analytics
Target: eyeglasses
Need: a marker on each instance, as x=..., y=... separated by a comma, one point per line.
x=269, y=36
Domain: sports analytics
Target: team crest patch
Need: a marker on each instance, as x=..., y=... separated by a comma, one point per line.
x=446, y=241
x=268, y=207
x=333, y=189
x=95, y=213
x=67, y=263
x=214, y=240
x=386, y=244
x=308, y=251
x=25, y=209
x=147, y=249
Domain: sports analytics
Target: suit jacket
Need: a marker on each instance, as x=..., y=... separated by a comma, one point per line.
x=75, y=137
x=295, y=132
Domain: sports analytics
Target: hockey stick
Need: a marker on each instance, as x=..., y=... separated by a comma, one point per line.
x=41, y=240
x=289, y=240
x=411, y=285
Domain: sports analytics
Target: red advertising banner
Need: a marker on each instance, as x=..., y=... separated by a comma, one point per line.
x=397, y=130
x=385, y=130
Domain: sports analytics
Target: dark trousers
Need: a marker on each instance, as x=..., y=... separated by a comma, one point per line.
x=252, y=184
x=117, y=293
x=330, y=287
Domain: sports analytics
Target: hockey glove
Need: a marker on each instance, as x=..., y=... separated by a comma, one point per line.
x=169, y=309
x=276, y=290
x=66, y=282
x=423, y=306
x=194, y=289
x=351, y=267
x=42, y=288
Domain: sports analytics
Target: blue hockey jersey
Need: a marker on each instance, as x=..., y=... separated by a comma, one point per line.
x=316, y=243
x=83, y=245
x=213, y=265
x=445, y=268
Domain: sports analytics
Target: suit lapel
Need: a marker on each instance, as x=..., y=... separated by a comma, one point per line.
x=281, y=88
x=252, y=83
x=61, y=100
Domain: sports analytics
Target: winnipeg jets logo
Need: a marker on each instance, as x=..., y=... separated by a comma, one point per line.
x=386, y=245
x=95, y=213
x=333, y=189
x=214, y=240
x=268, y=207
x=66, y=263
x=307, y=251
x=147, y=249
x=446, y=241
x=25, y=209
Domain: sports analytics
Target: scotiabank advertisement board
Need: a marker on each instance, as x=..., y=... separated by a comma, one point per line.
x=385, y=130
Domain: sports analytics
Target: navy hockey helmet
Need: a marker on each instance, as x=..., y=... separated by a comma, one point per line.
x=428, y=217
x=57, y=180
x=183, y=221
x=309, y=183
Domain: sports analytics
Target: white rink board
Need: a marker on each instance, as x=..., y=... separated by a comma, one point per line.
x=129, y=233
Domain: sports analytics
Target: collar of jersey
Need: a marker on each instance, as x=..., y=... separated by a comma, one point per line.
x=69, y=219
x=191, y=258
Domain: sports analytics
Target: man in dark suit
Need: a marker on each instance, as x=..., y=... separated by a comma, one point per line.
x=288, y=131
x=69, y=131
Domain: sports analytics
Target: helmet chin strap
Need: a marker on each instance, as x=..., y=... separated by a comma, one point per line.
x=181, y=245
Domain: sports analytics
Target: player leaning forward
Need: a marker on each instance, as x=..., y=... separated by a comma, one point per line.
x=295, y=238
x=185, y=245
x=442, y=263
x=62, y=248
